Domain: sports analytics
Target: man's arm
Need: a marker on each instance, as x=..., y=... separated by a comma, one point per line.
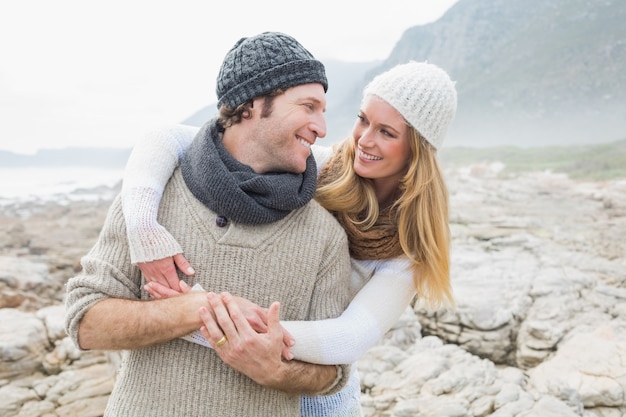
x=105, y=306
x=259, y=355
x=114, y=324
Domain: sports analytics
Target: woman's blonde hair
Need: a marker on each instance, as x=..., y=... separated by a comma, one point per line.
x=421, y=214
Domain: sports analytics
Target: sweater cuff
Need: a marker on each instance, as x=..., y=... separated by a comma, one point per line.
x=160, y=245
x=148, y=240
x=343, y=372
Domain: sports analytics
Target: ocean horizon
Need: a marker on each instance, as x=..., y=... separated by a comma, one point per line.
x=23, y=184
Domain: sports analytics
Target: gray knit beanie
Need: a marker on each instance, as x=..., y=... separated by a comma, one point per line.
x=422, y=93
x=258, y=65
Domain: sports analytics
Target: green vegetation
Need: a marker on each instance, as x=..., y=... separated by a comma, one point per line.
x=584, y=162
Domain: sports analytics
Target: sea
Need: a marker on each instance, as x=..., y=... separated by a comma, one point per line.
x=62, y=184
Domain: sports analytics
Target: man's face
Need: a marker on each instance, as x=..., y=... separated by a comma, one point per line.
x=284, y=137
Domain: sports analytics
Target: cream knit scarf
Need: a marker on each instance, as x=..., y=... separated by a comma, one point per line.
x=234, y=190
x=378, y=242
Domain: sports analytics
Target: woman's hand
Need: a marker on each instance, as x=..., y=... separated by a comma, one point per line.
x=163, y=272
x=254, y=314
x=159, y=291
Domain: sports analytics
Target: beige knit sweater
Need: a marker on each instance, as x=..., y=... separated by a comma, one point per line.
x=301, y=261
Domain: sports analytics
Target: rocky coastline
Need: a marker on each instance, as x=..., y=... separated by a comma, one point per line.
x=539, y=277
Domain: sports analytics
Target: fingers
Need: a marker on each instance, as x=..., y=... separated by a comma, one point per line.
x=274, y=326
x=257, y=324
x=273, y=319
x=256, y=355
x=225, y=318
x=287, y=354
x=256, y=315
x=229, y=316
x=210, y=329
x=161, y=271
x=159, y=291
x=288, y=339
x=168, y=273
x=149, y=270
x=230, y=319
x=217, y=321
x=184, y=265
x=274, y=329
x=164, y=272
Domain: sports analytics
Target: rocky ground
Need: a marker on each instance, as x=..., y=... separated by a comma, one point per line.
x=539, y=275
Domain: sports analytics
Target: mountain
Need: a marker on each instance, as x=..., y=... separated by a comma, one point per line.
x=528, y=72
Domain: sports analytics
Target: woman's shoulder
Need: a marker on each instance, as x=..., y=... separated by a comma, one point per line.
x=321, y=154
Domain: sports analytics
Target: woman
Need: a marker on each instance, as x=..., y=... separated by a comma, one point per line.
x=386, y=189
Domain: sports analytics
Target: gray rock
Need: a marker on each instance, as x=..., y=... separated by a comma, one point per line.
x=23, y=343
x=538, y=273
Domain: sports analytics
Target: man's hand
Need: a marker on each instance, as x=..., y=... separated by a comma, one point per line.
x=259, y=355
x=163, y=271
x=255, y=314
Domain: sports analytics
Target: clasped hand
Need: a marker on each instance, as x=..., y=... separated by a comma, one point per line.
x=246, y=325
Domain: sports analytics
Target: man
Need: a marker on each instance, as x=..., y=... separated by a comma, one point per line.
x=240, y=205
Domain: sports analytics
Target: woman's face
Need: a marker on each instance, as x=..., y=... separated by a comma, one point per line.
x=382, y=143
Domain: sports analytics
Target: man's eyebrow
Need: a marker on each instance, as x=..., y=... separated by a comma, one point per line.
x=313, y=99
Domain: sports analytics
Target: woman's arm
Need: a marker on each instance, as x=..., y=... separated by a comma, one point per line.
x=150, y=166
x=372, y=312
x=342, y=340
x=321, y=154
x=152, y=162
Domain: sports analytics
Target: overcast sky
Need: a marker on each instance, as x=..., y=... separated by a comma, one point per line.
x=86, y=73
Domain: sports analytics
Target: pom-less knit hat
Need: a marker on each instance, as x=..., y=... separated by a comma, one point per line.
x=258, y=65
x=422, y=93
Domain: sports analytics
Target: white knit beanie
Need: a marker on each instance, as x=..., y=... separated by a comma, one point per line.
x=422, y=93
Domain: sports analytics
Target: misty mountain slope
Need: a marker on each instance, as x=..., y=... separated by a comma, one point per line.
x=528, y=72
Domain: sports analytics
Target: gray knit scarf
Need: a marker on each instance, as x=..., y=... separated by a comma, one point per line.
x=234, y=190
